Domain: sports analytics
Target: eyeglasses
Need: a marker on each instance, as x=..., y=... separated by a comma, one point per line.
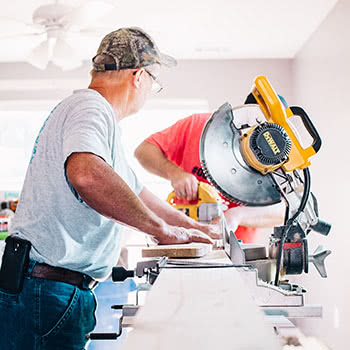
x=157, y=85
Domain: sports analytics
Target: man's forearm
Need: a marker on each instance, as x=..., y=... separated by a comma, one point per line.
x=153, y=159
x=169, y=214
x=106, y=192
x=269, y=216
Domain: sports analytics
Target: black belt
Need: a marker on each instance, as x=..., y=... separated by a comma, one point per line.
x=60, y=274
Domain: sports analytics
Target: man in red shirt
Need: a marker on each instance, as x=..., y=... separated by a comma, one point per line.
x=173, y=153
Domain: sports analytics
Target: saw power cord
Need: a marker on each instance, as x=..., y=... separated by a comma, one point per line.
x=304, y=199
x=280, y=186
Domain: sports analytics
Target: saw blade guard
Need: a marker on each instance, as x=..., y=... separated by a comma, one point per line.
x=223, y=163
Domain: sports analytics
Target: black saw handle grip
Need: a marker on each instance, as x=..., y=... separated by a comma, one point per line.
x=120, y=274
x=316, y=145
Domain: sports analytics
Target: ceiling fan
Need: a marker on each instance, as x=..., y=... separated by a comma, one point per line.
x=54, y=23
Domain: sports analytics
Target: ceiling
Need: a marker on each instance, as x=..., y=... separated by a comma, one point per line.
x=196, y=29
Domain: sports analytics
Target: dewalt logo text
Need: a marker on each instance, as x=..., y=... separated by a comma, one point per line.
x=271, y=142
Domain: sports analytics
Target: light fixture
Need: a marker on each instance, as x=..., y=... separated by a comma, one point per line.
x=64, y=55
x=56, y=50
x=39, y=57
x=57, y=21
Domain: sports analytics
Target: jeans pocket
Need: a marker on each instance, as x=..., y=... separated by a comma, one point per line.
x=8, y=299
x=66, y=318
x=56, y=307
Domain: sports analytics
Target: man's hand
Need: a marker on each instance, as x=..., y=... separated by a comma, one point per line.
x=180, y=235
x=213, y=230
x=185, y=185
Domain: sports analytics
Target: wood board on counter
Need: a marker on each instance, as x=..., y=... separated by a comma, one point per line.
x=189, y=250
x=206, y=308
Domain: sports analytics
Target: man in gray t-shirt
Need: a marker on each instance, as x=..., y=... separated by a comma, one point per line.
x=78, y=191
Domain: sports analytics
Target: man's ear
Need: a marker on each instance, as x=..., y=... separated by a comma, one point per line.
x=137, y=77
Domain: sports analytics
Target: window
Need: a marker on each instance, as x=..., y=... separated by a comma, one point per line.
x=18, y=130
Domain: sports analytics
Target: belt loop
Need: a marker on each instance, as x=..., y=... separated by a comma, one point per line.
x=30, y=268
x=88, y=282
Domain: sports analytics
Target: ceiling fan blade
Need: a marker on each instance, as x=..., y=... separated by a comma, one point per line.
x=86, y=14
x=11, y=21
x=39, y=57
x=20, y=36
x=64, y=56
x=93, y=31
x=17, y=26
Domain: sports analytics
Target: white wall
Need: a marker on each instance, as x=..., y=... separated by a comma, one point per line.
x=217, y=81
x=321, y=74
x=226, y=80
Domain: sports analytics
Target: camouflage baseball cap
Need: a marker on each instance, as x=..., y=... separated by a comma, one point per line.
x=130, y=48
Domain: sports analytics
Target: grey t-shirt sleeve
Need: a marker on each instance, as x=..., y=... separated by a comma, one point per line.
x=137, y=186
x=88, y=130
x=93, y=129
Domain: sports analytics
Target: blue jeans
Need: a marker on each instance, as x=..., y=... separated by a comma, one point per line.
x=46, y=315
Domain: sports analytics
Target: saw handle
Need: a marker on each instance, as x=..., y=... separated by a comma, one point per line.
x=316, y=145
x=275, y=112
x=171, y=197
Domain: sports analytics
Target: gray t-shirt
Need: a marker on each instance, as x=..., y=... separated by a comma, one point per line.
x=64, y=230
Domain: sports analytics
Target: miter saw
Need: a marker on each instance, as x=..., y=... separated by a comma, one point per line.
x=254, y=156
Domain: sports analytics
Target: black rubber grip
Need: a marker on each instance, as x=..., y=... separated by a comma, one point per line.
x=322, y=227
x=316, y=145
x=120, y=274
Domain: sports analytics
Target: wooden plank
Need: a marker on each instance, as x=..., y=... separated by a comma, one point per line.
x=190, y=250
x=204, y=309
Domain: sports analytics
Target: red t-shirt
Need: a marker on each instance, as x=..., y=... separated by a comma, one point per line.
x=180, y=144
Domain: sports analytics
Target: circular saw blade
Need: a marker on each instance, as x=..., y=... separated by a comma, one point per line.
x=223, y=163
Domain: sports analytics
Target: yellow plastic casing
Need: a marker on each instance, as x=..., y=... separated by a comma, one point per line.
x=250, y=157
x=206, y=194
x=275, y=112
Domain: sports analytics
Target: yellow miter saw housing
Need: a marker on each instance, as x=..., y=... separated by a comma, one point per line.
x=204, y=209
x=269, y=146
